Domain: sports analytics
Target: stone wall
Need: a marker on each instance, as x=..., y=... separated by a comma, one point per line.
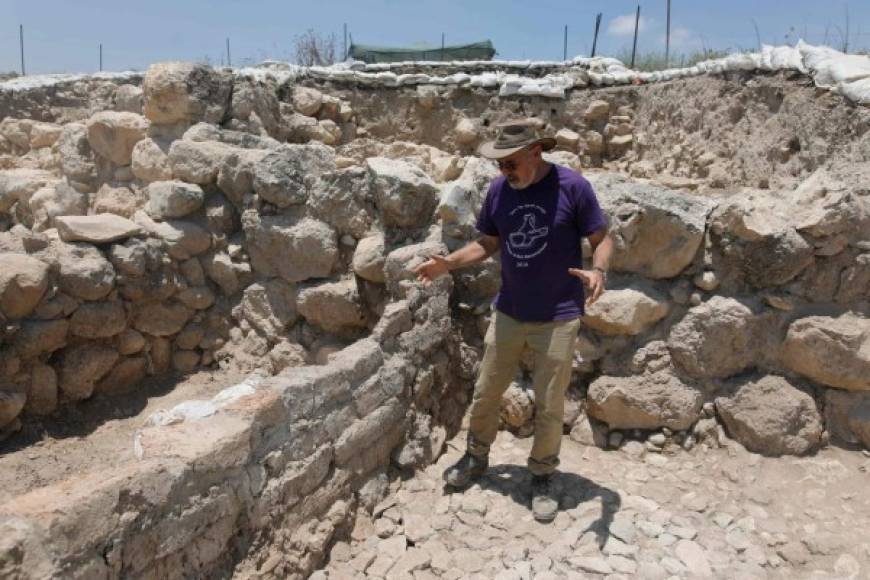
x=206, y=219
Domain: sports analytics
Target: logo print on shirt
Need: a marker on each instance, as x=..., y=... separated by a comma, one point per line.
x=529, y=239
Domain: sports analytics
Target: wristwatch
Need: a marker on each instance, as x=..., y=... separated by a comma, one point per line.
x=603, y=272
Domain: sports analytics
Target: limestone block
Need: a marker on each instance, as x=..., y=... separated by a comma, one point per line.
x=183, y=92
x=96, y=229
x=59, y=199
x=269, y=307
x=23, y=281
x=567, y=139
x=644, y=402
x=40, y=336
x=343, y=200
x=82, y=366
x=626, y=311
x=84, y=272
x=657, y=232
x=292, y=249
x=98, y=320
x=160, y=319
x=20, y=184
x=183, y=239
x=368, y=258
x=113, y=134
x=236, y=173
x=129, y=98
x=597, y=111
x=771, y=416
x=831, y=351
x=460, y=200
x=197, y=161
x=715, y=339
x=75, y=153
x=221, y=270
x=307, y=101
x=287, y=175
x=42, y=395
x=466, y=132
x=173, y=199
x=334, y=306
x=120, y=201
x=196, y=297
x=130, y=342
x=124, y=375
x=150, y=160
x=404, y=194
x=11, y=405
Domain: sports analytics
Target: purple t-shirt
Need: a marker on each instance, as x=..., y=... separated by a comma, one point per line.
x=540, y=230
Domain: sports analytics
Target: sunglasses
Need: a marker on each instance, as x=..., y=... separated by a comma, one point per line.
x=509, y=165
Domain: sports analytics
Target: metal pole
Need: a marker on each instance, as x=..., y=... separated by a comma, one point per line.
x=101, y=57
x=634, y=46
x=229, y=61
x=595, y=38
x=345, y=41
x=21, y=39
x=442, y=46
x=565, y=45
x=668, y=38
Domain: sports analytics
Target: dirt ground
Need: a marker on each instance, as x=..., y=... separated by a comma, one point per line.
x=96, y=434
x=709, y=513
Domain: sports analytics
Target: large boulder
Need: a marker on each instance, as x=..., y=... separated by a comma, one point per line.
x=84, y=272
x=716, y=339
x=197, y=161
x=98, y=320
x=113, y=135
x=256, y=103
x=627, y=311
x=51, y=201
x=183, y=239
x=405, y=196
x=150, y=160
x=173, y=199
x=343, y=200
x=20, y=184
x=11, y=405
x=23, y=281
x=657, y=231
x=269, y=307
x=161, y=319
x=649, y=401
x=307, y=101
x=831, y=351
x=184, y=92
x=82, y=366
x=75, y=154
x=121, y=201
x=44, y=134
x=846, y=416
x=128, y=98
x=236, y=173
x=334, y=306
x=287, y=175
x=400, y=263
x=368, y=258
x=826, y=204
x=294, y=249
x=37, y=337
x=771, y=416
x=96, y=229
x=460, y=200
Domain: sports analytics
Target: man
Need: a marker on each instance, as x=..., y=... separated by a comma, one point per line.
x=536, y=214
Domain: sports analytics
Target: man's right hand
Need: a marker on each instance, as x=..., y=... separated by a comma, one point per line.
x=432, y=268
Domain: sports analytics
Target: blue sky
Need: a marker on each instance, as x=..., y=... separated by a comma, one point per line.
x=64, y=35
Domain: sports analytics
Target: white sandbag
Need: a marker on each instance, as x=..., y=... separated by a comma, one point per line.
x=856, y=91
x=787, y=58
x=740, y=62
x=844, y=68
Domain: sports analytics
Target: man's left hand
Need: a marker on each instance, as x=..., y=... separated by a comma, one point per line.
x=593, y=280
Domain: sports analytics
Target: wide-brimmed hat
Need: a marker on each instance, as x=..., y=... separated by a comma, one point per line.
x=513, y=136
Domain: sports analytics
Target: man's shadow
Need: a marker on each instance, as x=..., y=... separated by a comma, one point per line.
x=515, y=482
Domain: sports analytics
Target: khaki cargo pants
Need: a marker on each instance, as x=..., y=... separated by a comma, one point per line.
x=553, y=345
